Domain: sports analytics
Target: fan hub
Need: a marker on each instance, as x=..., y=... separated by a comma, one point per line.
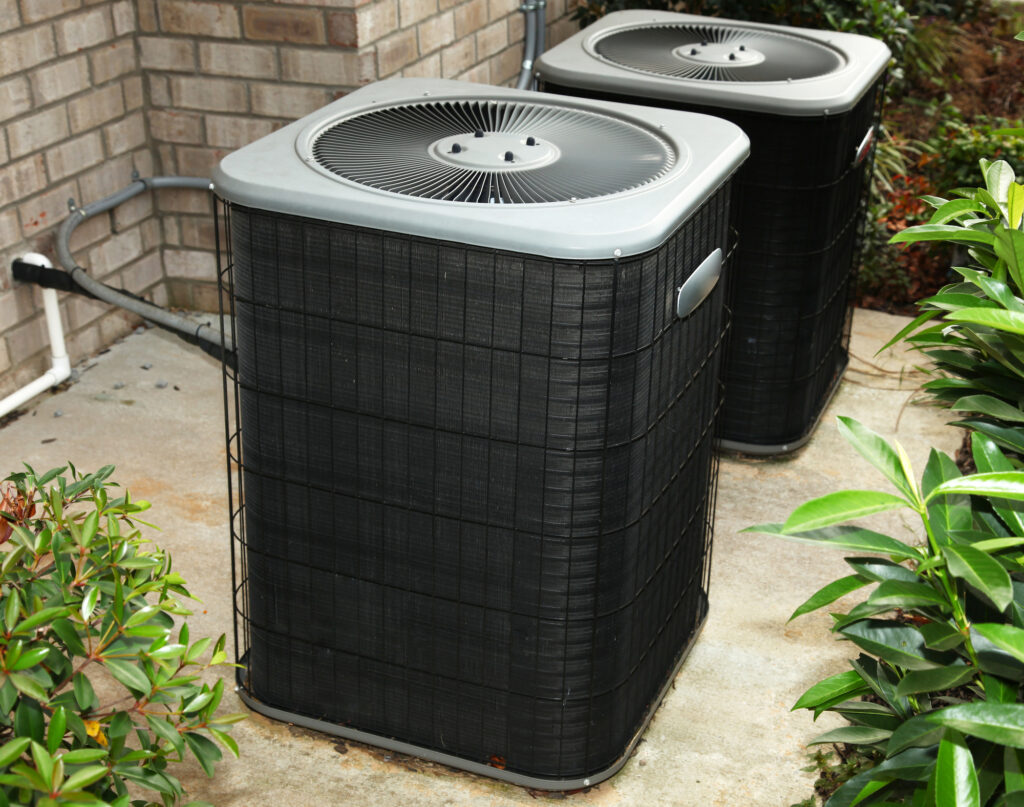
x=723, y=54
x=494, y=151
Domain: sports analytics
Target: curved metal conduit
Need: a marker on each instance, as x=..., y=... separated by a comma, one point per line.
x=154, y=313
x=535, y=24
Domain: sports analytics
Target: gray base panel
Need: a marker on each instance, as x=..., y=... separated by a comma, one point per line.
x=453, y=761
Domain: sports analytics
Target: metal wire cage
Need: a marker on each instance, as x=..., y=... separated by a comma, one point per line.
x=800, y=200
x=472, y=491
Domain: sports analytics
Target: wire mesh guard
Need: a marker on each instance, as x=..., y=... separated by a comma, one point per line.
x=799, y=208
x=472, y=490
x=489, y=151
x=717, y=52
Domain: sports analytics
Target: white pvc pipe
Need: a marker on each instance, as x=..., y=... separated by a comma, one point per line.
x=61, y=364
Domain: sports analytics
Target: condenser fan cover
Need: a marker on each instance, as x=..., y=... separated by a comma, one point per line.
x=490, y=166
x=718, y=53
x=492, y=152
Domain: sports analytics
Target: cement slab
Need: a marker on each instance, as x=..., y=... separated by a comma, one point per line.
x=724, y=735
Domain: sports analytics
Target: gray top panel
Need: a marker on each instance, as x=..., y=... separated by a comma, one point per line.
x=690, y=156
x=717, y=62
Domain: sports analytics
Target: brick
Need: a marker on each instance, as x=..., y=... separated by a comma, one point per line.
x=150, y=231
x=8, y=15
x=59, y=80
x=96, y=108
x=335, y=67
x=500, y=9
x=102, y=181
x=89, y=232
x=470, y=17
x=171, y=231
x=83, y=30
x=217, y=95
x=205, y=297
x=331, y=3
x=27, y=339
x=198, y=162
x=183, y=200
x=143, y=162
x=286, y=101
x=5, y=359
x=83, y=343
x=165, y=152
x=37, y=10
x=146, y=10
x=10, y=231
x=116, y=324
x=505, y=66
x=396, y=52
x=480, y=74
x=15, y=98
x=445, y=5
x=132, y=87
x=115, y=252
x=516, y=28
x=25, y=49
x=205, y=19
x=197, y=231
x=37, y=131
x=190, y=263
x=424, y=68
x=144, y=273
x=231, y=132
x=4, y=155
x=436, y=32
x=124, y=135
x=124, y=17
x=458, y=57
x=175, y=126
x=83, y=311
x=250, y=61
x=342, y=30
x=299, y=26
x=159, y=90
x=75, y=155
x=491, y=39
x=132, y=212
x=158, y=53
x=412, y=11
x=113, y=61
x=375, y=21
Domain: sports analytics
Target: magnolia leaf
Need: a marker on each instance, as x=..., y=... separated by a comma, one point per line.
x=942, y=232
x=989, y=405
x=876, y=450
x=84, y=777
x=997, y=484
x=855, y=735
x=841, y=506
x=13, y=749
x=916, y=732
x=898, y=644
x=981, y=572
x=853, y=538
x=996, y=722
x=1014, y=204
x=829, y=594
x=935, y=680
x=956, y=780
x=904, y=594
x=879, y=569
x=1005, y=637
x=129, y=675
x=998, y=319
x=1010, y=247
x=845, y=684
x=954, y=209
x=999, y=177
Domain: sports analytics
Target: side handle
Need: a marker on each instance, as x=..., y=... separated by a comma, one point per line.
x=699, y=285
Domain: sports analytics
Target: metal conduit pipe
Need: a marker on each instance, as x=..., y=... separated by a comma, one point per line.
x=529, y=9
x=61, y=364
x=101, y=291
x=541, y=17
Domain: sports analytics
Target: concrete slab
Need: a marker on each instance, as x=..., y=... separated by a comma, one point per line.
x=723, y=736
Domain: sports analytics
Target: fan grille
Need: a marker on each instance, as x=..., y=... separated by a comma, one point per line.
x=493, y=152
x=718, y=53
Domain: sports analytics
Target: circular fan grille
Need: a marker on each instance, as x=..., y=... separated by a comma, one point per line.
x=493, y=152
x=718, y=53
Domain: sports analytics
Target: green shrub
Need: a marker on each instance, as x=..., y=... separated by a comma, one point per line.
x=98, y=689
x=935, y=694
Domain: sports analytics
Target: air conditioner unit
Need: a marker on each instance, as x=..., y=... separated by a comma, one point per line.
x=809, y=101
x=478, y=337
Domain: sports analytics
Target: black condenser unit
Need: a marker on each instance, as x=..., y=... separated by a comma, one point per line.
x=810, y=103
x=478, y=340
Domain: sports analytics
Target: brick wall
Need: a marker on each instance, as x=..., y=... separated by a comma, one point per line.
x=92, y=89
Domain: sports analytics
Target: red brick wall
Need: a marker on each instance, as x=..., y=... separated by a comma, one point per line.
x=92, y=89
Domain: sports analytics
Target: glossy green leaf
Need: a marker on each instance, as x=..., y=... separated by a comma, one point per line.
x=877, y=450
x=842, y=685
x=82, y=756
x=940, y=635
x=954, y=209
x=30, y=658
x=853, y=538
x=1015, y=205
x=89, y=602
x=956, y=781
x=904, y=594
x=129, y=675
x=996, y=722
x=879, y=569
x=946, y=513
x=166, y=731
x=999, y=176
x=204, y=749
x=855, y=735
x=999, y=484
x=942, y=232
x=28, y=686
x=981, y=572
x=55, y=731
x=894, y=642
x=13, y=749
x=1005, y=637
x=1011, y=321
x=917, y=732
x=829, y=594
x=997, y=544
x=33, y=621
x=1013, y=769
x=882, y=682
x=84, y=694
x=839, y=507
x=84, y=777
x=935, y=680
x=989, y=405
x=1009, y=246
